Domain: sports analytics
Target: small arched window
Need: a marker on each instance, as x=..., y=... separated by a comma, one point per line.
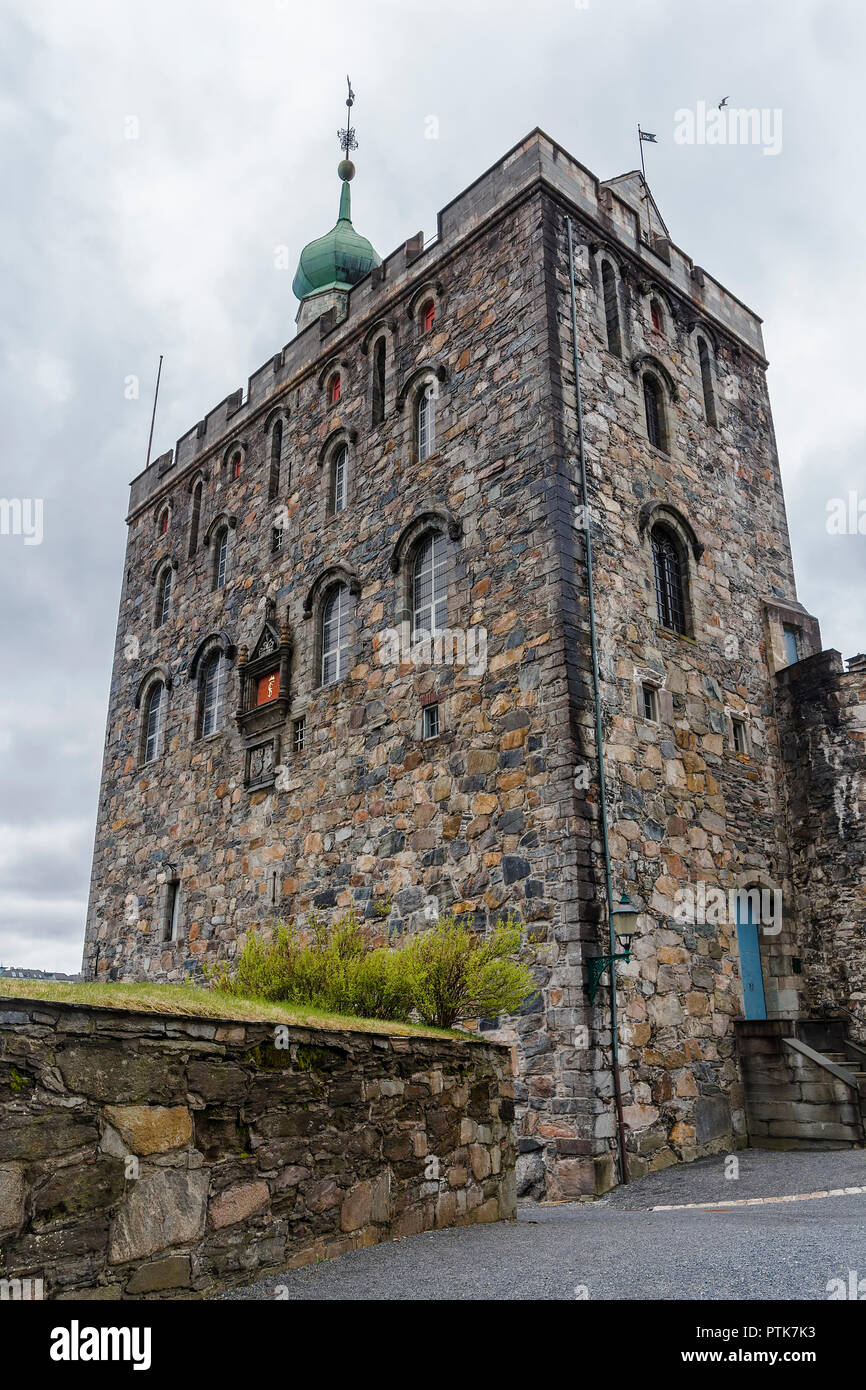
x=163, y=597
x=212, y=695
x=429, y=586
x=195, y=517
x=235, y=465
x=220, y=557
x=276, y=460
x=611, y=308
x=334, y=387
x=152, y=729
x=338, y=494
x=707, y=382
x=335, y=634
x=658, y=321
x=425, y=421
x=162, y=521
x=428, y=315
x=378, y=399
x=669, y=569
x=655, y=413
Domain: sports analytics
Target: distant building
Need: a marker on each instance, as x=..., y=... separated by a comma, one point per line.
x=354, y=664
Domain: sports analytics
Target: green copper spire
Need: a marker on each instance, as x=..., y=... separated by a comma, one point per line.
x=342, y=257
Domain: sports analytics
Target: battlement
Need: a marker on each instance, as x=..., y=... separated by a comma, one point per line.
x=537, y=161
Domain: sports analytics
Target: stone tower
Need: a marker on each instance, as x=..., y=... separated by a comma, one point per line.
x=281, y=736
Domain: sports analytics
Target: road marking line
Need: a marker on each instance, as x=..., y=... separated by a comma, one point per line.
x=764, y=1201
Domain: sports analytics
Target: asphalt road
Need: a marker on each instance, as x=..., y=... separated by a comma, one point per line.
x=620, y=1248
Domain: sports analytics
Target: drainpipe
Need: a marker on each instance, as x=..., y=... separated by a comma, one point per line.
x=596, y=685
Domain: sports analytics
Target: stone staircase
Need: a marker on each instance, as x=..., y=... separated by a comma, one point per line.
x=805, y=1083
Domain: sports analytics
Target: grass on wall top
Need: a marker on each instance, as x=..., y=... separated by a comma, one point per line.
x=189, y=1001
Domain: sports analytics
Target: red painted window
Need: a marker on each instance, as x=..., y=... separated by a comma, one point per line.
x=334, y=393
x=428, y=314
x=236, y=466
x=268, y=688
x=163, y=522
x=656, y=312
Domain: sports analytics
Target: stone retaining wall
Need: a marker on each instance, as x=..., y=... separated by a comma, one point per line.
x=152, y=1155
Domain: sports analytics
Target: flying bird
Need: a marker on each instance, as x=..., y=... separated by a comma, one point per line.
x=724, y=101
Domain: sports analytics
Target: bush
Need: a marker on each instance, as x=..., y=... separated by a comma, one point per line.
x=440, y=975
x=456, y=973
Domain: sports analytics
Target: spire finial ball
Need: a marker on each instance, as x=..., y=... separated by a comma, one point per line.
x=346, y=170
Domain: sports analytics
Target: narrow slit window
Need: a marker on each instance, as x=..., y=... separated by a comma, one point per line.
x=339, y=480
x=611, y=309
x=657, y=317
x=707, y=382
x=299, y=734
x=212, y=696
x=171, y=924
x=221, y=558
x=378, y=402
x=276, y=460
x=163, y=597
x=153, y=711
x=426, y=423
x=740, y=741
x=649, y=703
x=428, y=316
x=654, y=408
x=195, y=518
x=334, y=389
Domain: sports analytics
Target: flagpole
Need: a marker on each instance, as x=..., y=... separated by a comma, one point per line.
x=153, y=416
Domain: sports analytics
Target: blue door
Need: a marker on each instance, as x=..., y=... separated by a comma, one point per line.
x=750, y=959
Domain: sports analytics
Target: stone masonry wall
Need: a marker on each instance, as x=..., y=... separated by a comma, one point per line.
x=686, y=810
x=151, y=1155
x=822, y=714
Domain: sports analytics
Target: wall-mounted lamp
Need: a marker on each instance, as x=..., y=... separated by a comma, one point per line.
x=625, y=916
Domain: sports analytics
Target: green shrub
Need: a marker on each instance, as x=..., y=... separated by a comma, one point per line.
x=457, y=973
x=439, y=976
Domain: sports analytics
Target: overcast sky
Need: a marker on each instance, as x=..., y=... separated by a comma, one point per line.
x=116, y=249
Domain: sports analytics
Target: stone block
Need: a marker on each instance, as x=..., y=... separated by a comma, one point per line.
x=13, y=1190
x=238, y=1202
x=151, y=1129
x=160, y=1210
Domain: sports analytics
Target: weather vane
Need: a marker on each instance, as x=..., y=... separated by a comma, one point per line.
x=347, y=137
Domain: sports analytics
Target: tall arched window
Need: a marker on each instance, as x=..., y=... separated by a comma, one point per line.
x=195, y=517
x=429, y=586
x=153, y=712
x=162, y=521
x=276, y=460
x=707, y=382
x=425, y=421
x=378, y=401
x=669, y=572
x=657, y=316
x=163, y=597
x=335, y=634
x=428, y=315
x=339, y=480
x=334, y=388
x=611, y=308
x=212, y=695
x=235, y=466
x=220, y=557
x=655, y=413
